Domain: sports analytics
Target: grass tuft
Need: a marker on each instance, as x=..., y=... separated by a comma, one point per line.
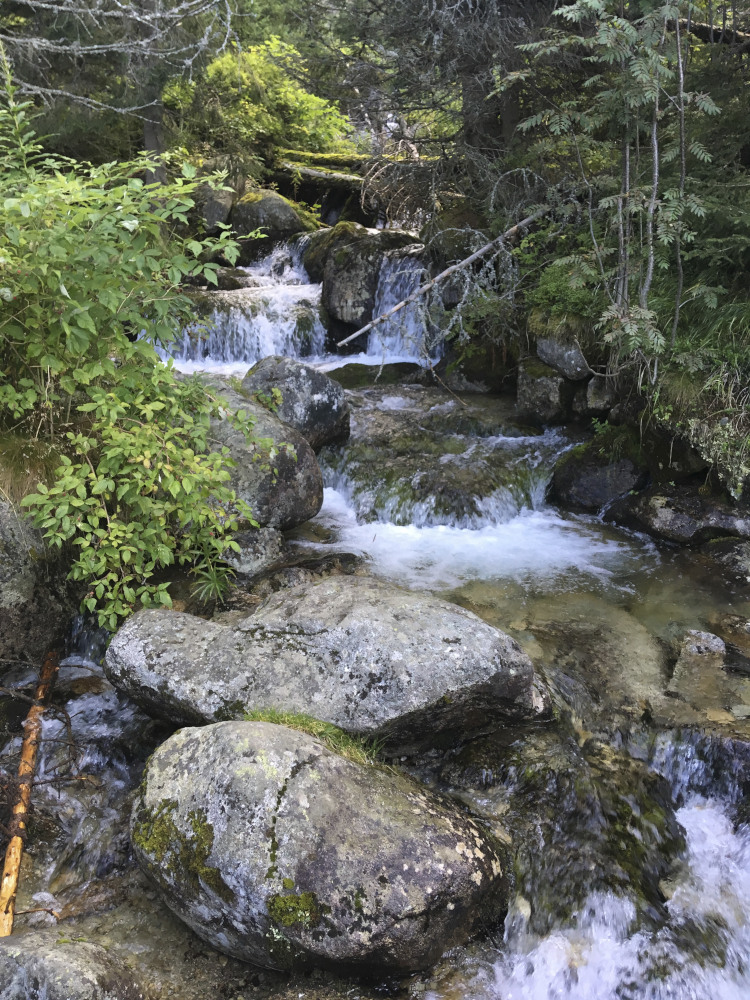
x=353, y=748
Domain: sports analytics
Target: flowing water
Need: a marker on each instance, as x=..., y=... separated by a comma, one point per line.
x=627, y=816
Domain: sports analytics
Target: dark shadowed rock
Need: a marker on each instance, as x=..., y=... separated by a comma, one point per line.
x=584, y=479
x=35, y=605
x=369, y=657
x=595, y=398
x=542, y=393
x=279, y=852
x=311, y=402
x=681, y=514
x=733, y=555
x=38, y=965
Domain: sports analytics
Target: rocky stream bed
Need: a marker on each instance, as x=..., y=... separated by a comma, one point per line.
x=562, y=710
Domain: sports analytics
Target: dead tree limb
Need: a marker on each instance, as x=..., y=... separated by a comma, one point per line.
x=29, y=748
x=506, y=237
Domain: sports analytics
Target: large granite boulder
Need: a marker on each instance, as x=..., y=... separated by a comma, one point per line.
x=277, y=218
x=282, y=853
x=566, y=357
x=311, y=402
x=47, y=965
x=682, y=514
x=35, y=604
x=278, y=474
x=369, y=657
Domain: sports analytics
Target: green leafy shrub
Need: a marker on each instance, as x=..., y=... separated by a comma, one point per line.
x=89, y=283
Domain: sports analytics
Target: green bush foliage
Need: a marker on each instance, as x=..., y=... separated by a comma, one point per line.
x=90, y=270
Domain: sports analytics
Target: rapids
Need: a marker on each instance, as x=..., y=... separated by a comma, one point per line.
x=632, y=865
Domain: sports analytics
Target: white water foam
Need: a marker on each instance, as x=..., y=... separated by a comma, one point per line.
x=699, y=953
x=536, y=545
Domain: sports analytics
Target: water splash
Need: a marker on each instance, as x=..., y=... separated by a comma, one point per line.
x=414, y=331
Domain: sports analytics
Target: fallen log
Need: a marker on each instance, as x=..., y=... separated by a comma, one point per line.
x=29, y=748
x=495, y=244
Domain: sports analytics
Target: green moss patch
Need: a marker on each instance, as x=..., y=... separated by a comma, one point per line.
x=181, y=858
x=292, y=909
x=353, y=748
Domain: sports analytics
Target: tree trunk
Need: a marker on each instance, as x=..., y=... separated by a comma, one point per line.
x=153, y=140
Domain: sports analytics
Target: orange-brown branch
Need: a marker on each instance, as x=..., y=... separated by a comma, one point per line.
x=29, y=748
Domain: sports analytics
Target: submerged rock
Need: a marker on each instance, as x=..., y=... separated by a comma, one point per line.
x=281, y=482
x=369, y=657
x=682, y=514
x=732, y=555
x=35, y=605
x=43, y=965
x=279, y=852
x=699, y=676
x=311, y=402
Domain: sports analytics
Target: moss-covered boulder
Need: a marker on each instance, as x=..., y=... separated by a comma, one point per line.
x=373, y=659
x=311, y=402
x=275, y=216
x=282, y=853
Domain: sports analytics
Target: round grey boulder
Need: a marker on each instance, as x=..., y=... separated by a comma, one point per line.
x=371, y=658
x=311, y=402
x=277, y=851
x=565, y=357
x=280, y=479
x=39, y=966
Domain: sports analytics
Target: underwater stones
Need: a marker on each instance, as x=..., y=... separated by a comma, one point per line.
x=283, y=486
x=566, y=358
x=681, y=514
x=43, y=965
x=279, y=852
x=35, y=608
x=584, y=479
x=311, y=402
x=542, y=393
x=369, y=657
x=699, y=676
x=732, y=555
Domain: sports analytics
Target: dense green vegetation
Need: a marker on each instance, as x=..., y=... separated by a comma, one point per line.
x=628, y=121
x=90, y=258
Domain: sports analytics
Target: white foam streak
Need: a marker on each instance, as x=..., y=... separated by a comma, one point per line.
x=601, y=955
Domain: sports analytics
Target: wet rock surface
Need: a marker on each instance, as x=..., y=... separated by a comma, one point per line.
x=366, y=656
x=584, y=479
x=311, y=402
x=278, y=851
x=283, y=498
x=422, y=456
x=44, y=965
x=682, y=514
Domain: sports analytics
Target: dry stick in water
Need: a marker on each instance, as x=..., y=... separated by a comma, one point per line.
x=495, y=244
x=31, y=739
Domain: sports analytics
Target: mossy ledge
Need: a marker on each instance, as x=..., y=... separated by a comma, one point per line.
x=178, y=855
x=353, y=748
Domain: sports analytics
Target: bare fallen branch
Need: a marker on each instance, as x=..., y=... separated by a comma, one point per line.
x=495, y=244
x=30, y=746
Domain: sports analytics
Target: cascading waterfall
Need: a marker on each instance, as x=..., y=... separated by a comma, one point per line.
x=414, y=331
x=276, y=312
